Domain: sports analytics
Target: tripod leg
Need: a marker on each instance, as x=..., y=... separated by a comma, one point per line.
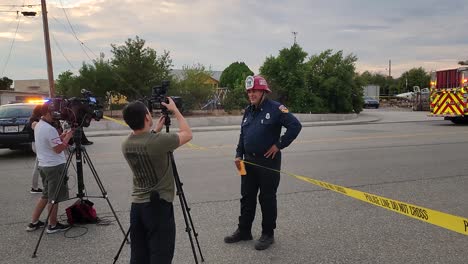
x=195, y=234
x=121, y=246
x=103, y=191
x=185, y=211
x=187, y=227
x=62, y=178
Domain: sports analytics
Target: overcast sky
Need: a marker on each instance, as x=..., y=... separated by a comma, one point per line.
x=411, y=33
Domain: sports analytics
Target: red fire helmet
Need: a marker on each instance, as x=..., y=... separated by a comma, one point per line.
x=256, y=83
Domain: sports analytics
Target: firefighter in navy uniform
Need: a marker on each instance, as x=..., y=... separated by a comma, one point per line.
x=260, y=143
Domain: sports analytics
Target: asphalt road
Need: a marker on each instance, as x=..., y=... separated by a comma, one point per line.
x=423, y=163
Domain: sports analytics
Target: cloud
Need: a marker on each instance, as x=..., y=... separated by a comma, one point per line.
x=216, y=33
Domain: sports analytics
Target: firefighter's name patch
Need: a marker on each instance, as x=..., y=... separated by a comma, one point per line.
x=283, y=109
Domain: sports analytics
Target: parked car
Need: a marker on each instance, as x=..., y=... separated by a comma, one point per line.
x=15, y=133
x=370, y=102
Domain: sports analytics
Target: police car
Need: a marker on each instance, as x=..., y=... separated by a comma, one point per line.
x=15, y=133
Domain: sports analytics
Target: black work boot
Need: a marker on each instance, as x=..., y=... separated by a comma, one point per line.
x=264, y=242
x=238, y=236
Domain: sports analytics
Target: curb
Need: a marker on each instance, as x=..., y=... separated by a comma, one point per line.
x=106, y=133
x=110, y=133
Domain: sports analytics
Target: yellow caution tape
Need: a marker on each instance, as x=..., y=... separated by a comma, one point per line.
x=193, y=146
x=116, y=121
x=451, y=222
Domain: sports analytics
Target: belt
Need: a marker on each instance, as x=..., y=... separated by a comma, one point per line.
x=254, y=156
x=258, y=156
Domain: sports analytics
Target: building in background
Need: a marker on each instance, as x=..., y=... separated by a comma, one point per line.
x=36, y=85
x=24, y=90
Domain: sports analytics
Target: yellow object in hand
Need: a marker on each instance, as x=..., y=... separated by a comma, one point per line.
x=242, y=170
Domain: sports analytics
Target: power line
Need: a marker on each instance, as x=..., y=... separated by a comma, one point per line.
x=11, y=46
x=17, y=15
x=65, y=27
x=20, y=5
x=61, y=51
x=120, y=78
x=74, y=34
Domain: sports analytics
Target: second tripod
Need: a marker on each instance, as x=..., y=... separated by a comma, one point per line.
x=80, y=155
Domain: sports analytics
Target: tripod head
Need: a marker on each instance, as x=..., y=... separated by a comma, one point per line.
x=167, y=118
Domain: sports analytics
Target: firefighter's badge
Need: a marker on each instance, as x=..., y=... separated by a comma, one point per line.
x=283, y=109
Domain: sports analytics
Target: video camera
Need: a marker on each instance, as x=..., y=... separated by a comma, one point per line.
x=159, y=95
x=77, y=111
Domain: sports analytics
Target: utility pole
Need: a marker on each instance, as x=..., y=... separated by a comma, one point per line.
x=389, y=68
x=295, y=34
x=406, y=80
x=50, y=71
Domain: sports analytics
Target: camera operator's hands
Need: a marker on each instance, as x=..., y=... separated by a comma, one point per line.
x=171, y=106
x=66, y=136
x=160, y=124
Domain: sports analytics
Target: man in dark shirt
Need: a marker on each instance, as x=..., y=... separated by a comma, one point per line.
x=152, y=226
x=260, y=143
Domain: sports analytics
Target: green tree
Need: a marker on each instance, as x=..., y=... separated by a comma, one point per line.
x=413, y=77
x=235, y=72
x=463, y=62
x=66, y=84
x=139, y=68
x=357, y=94
x=333, y=79
x=285, y=75
x=99, y=78
x=5, y=83
x=233, y=78
x=236, y=98
x=193, y=87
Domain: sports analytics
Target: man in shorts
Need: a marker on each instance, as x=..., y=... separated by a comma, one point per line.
x=52, y=165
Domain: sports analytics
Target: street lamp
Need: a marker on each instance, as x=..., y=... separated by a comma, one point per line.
x=29, y=13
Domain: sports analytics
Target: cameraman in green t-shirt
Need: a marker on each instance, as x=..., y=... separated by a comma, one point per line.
x=152, y=226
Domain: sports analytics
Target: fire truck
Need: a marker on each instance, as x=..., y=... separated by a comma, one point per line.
x=449, y=94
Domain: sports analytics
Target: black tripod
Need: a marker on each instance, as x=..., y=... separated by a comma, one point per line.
x=80, y=152
x=183, y=203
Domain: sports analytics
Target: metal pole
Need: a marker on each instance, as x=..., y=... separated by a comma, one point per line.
x=50, y=71
x=389, y=68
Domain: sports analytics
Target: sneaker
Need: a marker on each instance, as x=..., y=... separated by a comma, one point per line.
x=57, y=228
x=238, y=236
x=264, y=242
x=38, y=190
x=32, y=227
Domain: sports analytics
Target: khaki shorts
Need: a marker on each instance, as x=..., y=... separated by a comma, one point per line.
x=51, y=177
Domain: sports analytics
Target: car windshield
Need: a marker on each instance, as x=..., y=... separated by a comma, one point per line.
x=9, y=111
